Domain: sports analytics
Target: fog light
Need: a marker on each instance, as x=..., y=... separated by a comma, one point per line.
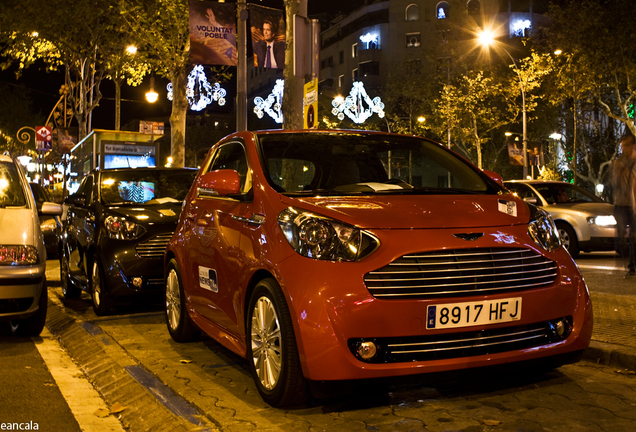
x=561, y=328
x=137, y=282
x=366, y=350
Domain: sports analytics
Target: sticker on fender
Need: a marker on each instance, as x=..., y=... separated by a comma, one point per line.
x=207, y=279
x=469, y=314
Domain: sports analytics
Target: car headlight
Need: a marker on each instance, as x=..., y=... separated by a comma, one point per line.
x=18, y=255
x=542, y=229
x=122, y=229
x=323, y=238
x=602, y=220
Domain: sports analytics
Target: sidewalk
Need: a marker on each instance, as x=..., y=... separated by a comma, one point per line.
x=614, y=335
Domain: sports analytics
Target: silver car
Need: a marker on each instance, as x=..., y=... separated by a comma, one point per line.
x=585, y=222
x=23, y=290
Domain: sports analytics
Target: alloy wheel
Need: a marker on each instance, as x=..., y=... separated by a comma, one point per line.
x=173, y=300
x=266, y=343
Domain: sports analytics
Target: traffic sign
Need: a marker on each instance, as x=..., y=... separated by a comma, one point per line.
x=43, y=138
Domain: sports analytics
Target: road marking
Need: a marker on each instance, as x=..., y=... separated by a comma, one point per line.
x=80, y=395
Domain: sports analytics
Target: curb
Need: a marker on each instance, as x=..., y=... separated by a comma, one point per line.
x=616, y=356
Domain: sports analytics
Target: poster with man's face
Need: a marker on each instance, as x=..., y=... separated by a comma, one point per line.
x=268, y=36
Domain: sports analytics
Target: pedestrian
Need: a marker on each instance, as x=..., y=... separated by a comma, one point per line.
x=623, y=182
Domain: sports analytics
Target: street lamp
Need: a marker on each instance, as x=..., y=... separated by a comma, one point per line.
x=486, y=38
x=152, y=95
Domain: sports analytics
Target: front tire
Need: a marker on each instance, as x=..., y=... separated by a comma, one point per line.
x=568, y=238
x=102, y=303
x=69, y=289
x=33, y=325
x=272, y=352
x=180, y=326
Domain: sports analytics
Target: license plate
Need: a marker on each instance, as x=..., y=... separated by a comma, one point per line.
x=469, y=314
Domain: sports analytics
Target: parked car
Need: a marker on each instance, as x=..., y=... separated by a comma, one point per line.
x=339, y=255
x=585, y=222
x=49, y=224
x=117, y=226
x=23, y=289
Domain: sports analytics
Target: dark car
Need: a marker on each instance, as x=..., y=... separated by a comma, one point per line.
x=48, y=223
x=116, y=230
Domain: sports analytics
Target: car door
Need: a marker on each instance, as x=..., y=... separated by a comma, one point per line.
x=80, y=230
x=214, y=258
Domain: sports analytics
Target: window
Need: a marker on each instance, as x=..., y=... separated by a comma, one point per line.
x=232, y=156
x=441, y=10
x=370, y=68
x=413, y=40
x=354, y=50
x=341, y=81
x=412, y=12
x=354, y=74
x=341, y=57
x=474, y=7
x=413, y=66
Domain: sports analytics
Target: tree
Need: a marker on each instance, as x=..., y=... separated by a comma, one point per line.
x=596, y=75
x=62, y=34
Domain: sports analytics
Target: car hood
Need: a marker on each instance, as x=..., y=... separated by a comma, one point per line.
x=419, y=211
x=18, y=227
x=164, y=213
x=587, y=208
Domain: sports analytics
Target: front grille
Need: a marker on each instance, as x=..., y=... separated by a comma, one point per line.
x=155, y=247
x=457, y=345
x=462, y=272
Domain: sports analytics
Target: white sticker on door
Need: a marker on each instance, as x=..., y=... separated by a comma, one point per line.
x=207, y=279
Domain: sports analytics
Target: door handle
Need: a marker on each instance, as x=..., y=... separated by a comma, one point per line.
x=255, y=219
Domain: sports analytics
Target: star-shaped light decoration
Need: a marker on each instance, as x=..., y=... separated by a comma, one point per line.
x=353, y=105
x=199, y=91
x=273, y=105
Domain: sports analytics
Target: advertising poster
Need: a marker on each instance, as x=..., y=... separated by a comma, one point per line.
x=535, y=154
x=515, y=152
x=268, y=36
x=212, y=33
x=66, y=139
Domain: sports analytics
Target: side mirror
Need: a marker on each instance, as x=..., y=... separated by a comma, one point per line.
x=78, y=200
x=218, y=183
x=494, y=176
x=50, y=208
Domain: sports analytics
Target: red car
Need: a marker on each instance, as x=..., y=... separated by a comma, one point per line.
x=338, y=255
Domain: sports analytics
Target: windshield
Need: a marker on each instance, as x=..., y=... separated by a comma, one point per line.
x=11, y=192
x=565, y=193
x=145, y=186
x=352, y=163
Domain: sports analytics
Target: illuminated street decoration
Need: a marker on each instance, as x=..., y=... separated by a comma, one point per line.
x=441, y=13
x=273, y=105
x=354, y=105
x=199, y=91
x=519, y=26
x=369, y=38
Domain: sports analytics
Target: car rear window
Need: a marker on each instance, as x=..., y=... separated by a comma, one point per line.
x=11, y=192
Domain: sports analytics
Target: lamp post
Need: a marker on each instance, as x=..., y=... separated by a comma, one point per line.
x=486, y=39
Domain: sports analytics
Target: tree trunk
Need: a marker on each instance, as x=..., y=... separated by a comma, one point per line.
x=178, y=117
x=294, y=86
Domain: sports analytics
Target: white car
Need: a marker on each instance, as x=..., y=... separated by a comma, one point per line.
x=585, y=222
x=23, y=290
